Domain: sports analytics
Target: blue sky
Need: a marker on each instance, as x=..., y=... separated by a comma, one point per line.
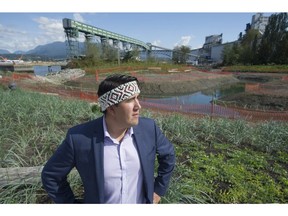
x=28, y=25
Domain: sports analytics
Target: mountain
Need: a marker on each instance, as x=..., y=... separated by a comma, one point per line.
x=52, y=50
x=19, y=52
x=55, y=50
x=2, y=51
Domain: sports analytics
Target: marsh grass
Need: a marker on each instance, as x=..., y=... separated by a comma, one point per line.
x=218, y=160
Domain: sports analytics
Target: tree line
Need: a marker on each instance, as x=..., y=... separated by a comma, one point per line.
x=255, y=48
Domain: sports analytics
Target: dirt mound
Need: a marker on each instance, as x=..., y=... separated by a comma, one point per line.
x=257, y=101
x=62, y=76
x=182, y=87
x=270, y=92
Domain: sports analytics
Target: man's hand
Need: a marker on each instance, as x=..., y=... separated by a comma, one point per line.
x=156, y=198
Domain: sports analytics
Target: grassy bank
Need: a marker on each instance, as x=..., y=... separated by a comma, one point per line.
x=218, y=161
x=257, y=68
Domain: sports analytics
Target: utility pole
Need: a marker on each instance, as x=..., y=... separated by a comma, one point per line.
x=118, y=55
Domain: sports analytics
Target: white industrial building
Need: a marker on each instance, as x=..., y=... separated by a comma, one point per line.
x=211, y=52
x=259, y=22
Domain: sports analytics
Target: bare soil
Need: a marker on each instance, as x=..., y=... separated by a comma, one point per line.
x=257, y=101
x=156, y=83
x=174, y=86
x=270, y=94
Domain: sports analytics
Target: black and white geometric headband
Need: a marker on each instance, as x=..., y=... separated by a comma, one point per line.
x=118, y=94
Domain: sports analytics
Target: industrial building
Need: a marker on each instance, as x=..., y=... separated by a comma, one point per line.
x=211, y=52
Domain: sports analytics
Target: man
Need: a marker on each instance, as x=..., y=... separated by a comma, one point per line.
x=114, y=154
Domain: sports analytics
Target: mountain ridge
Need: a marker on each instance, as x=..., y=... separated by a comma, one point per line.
x=55, y=49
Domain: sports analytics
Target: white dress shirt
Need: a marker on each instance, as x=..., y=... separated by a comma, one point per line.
x=123, y=178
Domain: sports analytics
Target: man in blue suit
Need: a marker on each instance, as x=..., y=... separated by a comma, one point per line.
x=115, y=154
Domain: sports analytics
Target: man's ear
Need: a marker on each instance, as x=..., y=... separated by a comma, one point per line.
x=111, y=110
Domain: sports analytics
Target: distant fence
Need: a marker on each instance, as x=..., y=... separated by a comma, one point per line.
x=212, y=110
x=264, y=86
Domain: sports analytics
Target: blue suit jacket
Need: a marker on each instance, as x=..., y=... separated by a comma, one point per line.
x=83, y=148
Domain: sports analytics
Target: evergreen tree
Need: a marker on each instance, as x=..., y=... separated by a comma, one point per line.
x=274, y=45
x=248, y=47
x=231, y=54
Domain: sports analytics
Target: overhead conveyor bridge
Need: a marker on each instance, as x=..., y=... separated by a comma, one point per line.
x=72, y=29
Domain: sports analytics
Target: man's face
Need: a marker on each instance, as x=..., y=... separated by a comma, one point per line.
x=127, y=112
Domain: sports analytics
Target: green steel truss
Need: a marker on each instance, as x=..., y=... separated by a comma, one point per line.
x=72, y=29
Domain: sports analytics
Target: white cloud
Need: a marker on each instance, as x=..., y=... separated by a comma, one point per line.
x=13, y=39
x=47, y=31
x=184, y=41
x=198, y=46
x=50, y=30
x=156, y=43
x=78, y=17
x=5, y=30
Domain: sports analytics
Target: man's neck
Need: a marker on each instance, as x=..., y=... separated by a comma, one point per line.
x=115, y=132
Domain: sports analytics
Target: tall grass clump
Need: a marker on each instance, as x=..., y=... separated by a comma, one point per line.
x=271, y=136
x=32, y=124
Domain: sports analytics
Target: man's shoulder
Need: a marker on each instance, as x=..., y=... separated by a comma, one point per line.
x=146, y=124
x=145, y=120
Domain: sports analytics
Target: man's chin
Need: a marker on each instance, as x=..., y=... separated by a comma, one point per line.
x=135, y=122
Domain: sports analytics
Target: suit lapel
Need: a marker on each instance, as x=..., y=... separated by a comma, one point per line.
x=141, y=148
x=98, y=147
x=147, y=168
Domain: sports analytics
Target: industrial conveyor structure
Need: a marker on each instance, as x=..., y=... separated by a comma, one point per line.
x=72, y=29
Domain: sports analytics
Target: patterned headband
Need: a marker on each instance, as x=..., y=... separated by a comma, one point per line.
x=118, y=94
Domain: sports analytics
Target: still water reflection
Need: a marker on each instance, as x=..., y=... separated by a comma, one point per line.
x=201, y=97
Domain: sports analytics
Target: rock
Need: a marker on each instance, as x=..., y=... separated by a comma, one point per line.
x=12, y=86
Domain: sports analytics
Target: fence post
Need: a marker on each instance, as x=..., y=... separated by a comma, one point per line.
x=212, y=109
x=212, y=106
x=96, y=75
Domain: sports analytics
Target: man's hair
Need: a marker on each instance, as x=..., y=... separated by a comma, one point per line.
x=113, y=81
